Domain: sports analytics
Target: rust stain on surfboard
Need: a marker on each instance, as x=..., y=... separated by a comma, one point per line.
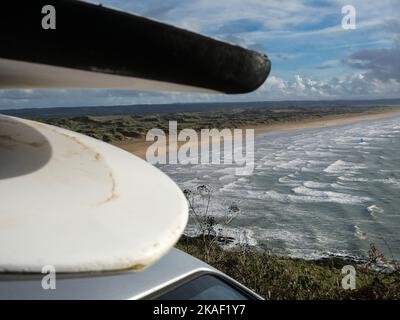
x=97, y=157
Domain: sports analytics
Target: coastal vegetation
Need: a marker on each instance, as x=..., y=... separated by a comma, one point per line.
x=278, y=277
x=122, y=127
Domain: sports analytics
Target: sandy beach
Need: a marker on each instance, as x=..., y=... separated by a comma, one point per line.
x=139, y=146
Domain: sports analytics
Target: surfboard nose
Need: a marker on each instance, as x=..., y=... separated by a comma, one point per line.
x=257, y=73
x=96, y=47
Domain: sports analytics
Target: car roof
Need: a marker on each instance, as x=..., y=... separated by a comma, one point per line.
x=173, y=267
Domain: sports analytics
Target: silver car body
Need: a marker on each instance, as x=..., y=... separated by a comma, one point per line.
x=171, y=269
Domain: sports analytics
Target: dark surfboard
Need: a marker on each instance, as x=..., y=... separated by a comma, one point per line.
x=106, y=42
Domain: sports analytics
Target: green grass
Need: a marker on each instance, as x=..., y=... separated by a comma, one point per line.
x=275, y=277
x=116, y=128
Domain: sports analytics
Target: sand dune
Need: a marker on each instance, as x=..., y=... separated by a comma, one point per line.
x=139, y=146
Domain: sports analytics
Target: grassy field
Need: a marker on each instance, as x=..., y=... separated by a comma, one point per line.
x=114, y=128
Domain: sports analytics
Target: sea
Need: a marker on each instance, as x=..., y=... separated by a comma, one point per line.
x=330, y=191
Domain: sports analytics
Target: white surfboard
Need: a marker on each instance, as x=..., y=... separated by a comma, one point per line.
x=79, y=204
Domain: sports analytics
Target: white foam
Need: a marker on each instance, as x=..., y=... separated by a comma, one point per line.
x=227, y=171
x=228, y=187
x=238, y=236
x=374, y=211
x=286, y=180
x=282, y=235
x=341, y=166
x=359, y=233
x=392, y=181
x=270, y=163
x=310, y=169
x=193, y=183
x=295, y=164
x=351, y=178
x=241, y=236
x=343, y=186
x=315, y=184
x=313, y=196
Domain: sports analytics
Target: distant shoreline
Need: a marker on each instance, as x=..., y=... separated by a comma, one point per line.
x=138, y=146
x=72, y=111
x=326, y=121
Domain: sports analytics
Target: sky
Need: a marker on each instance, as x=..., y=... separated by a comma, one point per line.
x=313, y=56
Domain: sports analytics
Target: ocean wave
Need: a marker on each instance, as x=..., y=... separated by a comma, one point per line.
x=295, y=164
x=192, y=183
x=315, y=185
x=367, y=147
x=270, y=163
x=392, y=181
x=229, y=187
x=310, y=169
x=311, y=184
x=341, y=166
x=342, y=186
x=227, y=171
x=234, y=236
x=321, y=154
x=359, y=233
x=313, y=196
x=282, y=235
x=351, y=178
x=286, y=180
x=374, y=211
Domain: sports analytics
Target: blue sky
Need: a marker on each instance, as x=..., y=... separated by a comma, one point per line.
x=313, y=56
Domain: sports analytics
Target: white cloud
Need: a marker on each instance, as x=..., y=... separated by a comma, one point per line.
x=355, y=86
x=210, y=15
